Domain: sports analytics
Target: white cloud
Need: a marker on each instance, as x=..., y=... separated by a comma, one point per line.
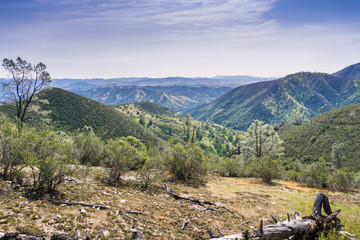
x=177, y=37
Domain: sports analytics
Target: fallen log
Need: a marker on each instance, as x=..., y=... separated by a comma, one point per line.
x=197, y=201
x=299, y=228
x=102, y=207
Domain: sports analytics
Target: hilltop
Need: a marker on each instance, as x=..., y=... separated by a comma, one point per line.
x=350, y=72
x=68, y=111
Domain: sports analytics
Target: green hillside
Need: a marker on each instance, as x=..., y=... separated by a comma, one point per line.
x=70, y=112
x=150, y=108
x=313, y=140
x=302, y=94
x=167, y=125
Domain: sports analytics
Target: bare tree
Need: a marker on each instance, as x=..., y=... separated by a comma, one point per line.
x=26, y=81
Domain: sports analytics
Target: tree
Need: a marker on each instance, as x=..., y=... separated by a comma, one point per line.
x=26, y=81
x=261, y=140
x=338, y=154
x=187, y=126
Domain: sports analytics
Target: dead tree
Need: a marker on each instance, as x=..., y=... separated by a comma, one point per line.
x=308, y=228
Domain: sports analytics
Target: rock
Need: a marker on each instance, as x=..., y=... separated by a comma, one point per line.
x=83, y=210
x=106, y=233
x=123, y=201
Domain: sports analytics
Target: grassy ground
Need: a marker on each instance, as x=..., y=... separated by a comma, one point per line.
x=162, y=216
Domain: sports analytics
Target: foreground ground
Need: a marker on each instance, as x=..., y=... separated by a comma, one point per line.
x=159, y=216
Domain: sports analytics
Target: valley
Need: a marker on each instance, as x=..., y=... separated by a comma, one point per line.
x=120, y=156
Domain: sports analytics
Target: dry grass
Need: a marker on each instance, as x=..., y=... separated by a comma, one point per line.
x=164, y=216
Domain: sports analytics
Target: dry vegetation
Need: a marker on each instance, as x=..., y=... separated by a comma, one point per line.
x=158, y=215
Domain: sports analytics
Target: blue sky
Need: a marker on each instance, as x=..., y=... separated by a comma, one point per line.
x=190, y=38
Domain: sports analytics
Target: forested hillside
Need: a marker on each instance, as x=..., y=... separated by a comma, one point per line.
x=167, y=125
x=68, y=111
x=317, y=138
x=301, y=95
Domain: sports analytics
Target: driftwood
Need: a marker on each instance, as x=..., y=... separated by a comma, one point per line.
x=18, y=236
x=197, y=201
x=299, y=228
x=83, y=204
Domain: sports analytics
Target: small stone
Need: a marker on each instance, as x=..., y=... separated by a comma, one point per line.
x=123, y=201
x=106, y=233
x=83, y=210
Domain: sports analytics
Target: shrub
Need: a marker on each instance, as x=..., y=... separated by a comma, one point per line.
x=124, y=154
x=185, y=162
x=231, y=166
x=316, y=174
x=340, y=179
x=11, y=145
x=266, y=168
x=48, y=161
x=88, y=147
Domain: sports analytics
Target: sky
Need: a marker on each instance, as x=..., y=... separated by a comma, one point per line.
x=188, y=38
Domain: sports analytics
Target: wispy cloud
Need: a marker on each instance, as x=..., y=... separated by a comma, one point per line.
x=109, y=38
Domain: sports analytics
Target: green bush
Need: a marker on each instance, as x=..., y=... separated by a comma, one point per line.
x=232, y=166
x=48, y=161
x=11, y=144
x=44, y=152
x=88, y=147
x=123, y=155
x=185, y=162
x=266, y=168
x=316, y=174
x=341, y=180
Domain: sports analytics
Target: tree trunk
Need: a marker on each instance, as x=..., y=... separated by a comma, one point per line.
x=299, y=228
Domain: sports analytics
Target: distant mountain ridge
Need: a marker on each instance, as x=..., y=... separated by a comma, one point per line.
x=218, y=81
x=177, y=98
x=302, y=94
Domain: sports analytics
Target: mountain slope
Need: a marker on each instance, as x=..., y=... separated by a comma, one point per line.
x=351, y=72
x=149, y=108
x=167, y=125
x=69, y=111
x=305, y=94
x=177, y=98
x=313, y=140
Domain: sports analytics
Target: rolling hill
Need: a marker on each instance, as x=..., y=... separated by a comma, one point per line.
x=305, y=94
x=167, y=125
x=177, y=98
x=149, y=108
x=68, y=111
x=313, y=140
